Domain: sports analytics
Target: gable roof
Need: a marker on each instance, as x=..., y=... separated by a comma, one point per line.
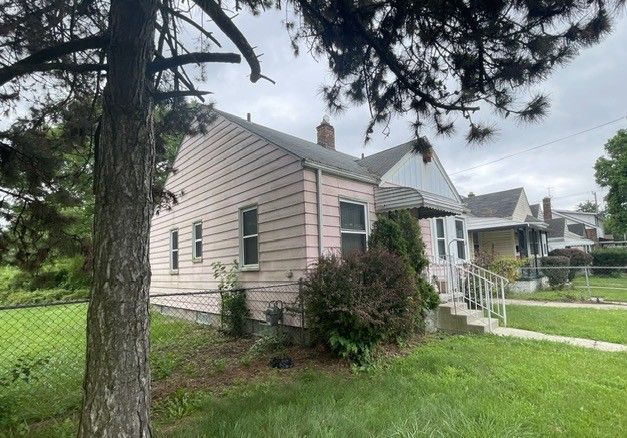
x=578, y=229
x=535, y=210
x=498, y=204
x=557, y=227
x=381, y=162
x=569, y=215
x=310, y=152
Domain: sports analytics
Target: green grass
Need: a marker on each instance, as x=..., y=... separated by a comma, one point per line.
x=42, y=354
x=597, y=324
x=608, y=288
x=466, y=386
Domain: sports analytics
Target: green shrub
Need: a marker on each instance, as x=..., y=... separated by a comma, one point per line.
x=557, y=277
x=398, y=232
x=354, y=303
x=61, y=273
x=234, y=313
x=508, y=267
x=575, y=256
x=609, y=257
x=42, y=296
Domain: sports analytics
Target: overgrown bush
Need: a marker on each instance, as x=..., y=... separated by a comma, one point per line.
x=62, y=273
x=234, y=313
x=398, y=232
x=575, y=256
x=557, y=277
x=609, y=257
x=508, y=267
x=354, y=303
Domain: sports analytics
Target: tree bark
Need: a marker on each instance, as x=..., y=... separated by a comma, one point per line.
x=117, y=379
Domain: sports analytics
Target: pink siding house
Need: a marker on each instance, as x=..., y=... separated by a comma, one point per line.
x=275, y=202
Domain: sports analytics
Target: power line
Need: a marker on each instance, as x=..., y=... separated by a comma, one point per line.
x=539, y=146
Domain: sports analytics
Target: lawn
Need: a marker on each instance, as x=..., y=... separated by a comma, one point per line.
x=467, y=386
x=608, y=288
x=42, y=353
x=208, y=385
x=597, y=324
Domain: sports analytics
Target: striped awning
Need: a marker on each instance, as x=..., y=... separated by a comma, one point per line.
x=407, y=198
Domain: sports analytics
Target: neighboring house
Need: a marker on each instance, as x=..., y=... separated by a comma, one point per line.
x=503, y=224
x=276, y=202
x=569, y=229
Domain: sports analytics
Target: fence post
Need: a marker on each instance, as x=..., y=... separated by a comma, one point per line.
x=302, y=311
x=587, y=282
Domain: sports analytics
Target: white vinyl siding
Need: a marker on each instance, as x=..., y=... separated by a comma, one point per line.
x=174, y=251
x=197, y=241
x=353, y=228
x=249, y=243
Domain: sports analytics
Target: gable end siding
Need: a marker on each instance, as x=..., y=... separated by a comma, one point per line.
x=220, y=172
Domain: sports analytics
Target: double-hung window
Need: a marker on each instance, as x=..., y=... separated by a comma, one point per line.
x=249, y=244
x=174, y=251
x=440, y=238
x=459, y=236
x=197, y=241
x=353, y=226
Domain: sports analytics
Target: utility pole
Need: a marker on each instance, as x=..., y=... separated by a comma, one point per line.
x=596, y=202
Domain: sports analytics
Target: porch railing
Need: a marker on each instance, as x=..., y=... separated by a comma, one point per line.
x=469, y=286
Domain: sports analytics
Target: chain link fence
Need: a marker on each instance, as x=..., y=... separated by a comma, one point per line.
x=42, y=346
x=599, y=283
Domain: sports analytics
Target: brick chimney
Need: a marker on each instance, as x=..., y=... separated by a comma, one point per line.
x=546, y=209
x=326, y=134
x=591, y=233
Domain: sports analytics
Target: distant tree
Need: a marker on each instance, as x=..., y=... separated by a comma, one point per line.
x=588, y=207
x=427, y=59
x=611, y=172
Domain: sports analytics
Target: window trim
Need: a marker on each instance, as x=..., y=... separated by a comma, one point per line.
x=437, y=239
x=461, y=239
x=242, y=210
x=195, y=257
x=172, y=250
x=366, y=231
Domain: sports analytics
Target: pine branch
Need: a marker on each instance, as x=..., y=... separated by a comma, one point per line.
x=227, y=26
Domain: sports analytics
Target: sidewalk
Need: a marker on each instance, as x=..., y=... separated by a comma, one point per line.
x=566, y=305
x=586, y=343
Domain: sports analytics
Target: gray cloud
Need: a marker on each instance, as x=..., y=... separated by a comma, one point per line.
x=589, y=91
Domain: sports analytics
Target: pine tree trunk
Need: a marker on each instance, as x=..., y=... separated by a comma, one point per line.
x=117, y=380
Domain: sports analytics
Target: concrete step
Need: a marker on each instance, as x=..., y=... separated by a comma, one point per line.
x=458, y=318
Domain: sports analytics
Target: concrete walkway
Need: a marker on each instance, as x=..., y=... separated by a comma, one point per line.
x=586, y=343
x=567, y=305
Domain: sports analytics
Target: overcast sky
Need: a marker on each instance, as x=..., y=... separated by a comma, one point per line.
x=588, y=92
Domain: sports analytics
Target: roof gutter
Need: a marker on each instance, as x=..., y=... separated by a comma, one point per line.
x=338, y=172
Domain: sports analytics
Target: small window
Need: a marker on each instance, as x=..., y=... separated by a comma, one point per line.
x=250, y=238
x=440, y=239
x=197, y=241
x=353, y=227
x=174, y=250
x=459, y=234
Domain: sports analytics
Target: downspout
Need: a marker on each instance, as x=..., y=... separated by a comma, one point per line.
x=319, y=199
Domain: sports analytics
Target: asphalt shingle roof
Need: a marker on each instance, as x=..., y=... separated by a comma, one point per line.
x=557, y=227
x=579, y=229
x=383, y=161
x=497, y=204
x=535, y=210
x=304, y=149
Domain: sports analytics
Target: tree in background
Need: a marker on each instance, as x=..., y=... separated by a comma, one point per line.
x=611, y=172
x=588, y=207
x=426, y=59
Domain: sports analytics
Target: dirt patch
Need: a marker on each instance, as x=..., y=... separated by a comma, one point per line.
x=216, y=368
